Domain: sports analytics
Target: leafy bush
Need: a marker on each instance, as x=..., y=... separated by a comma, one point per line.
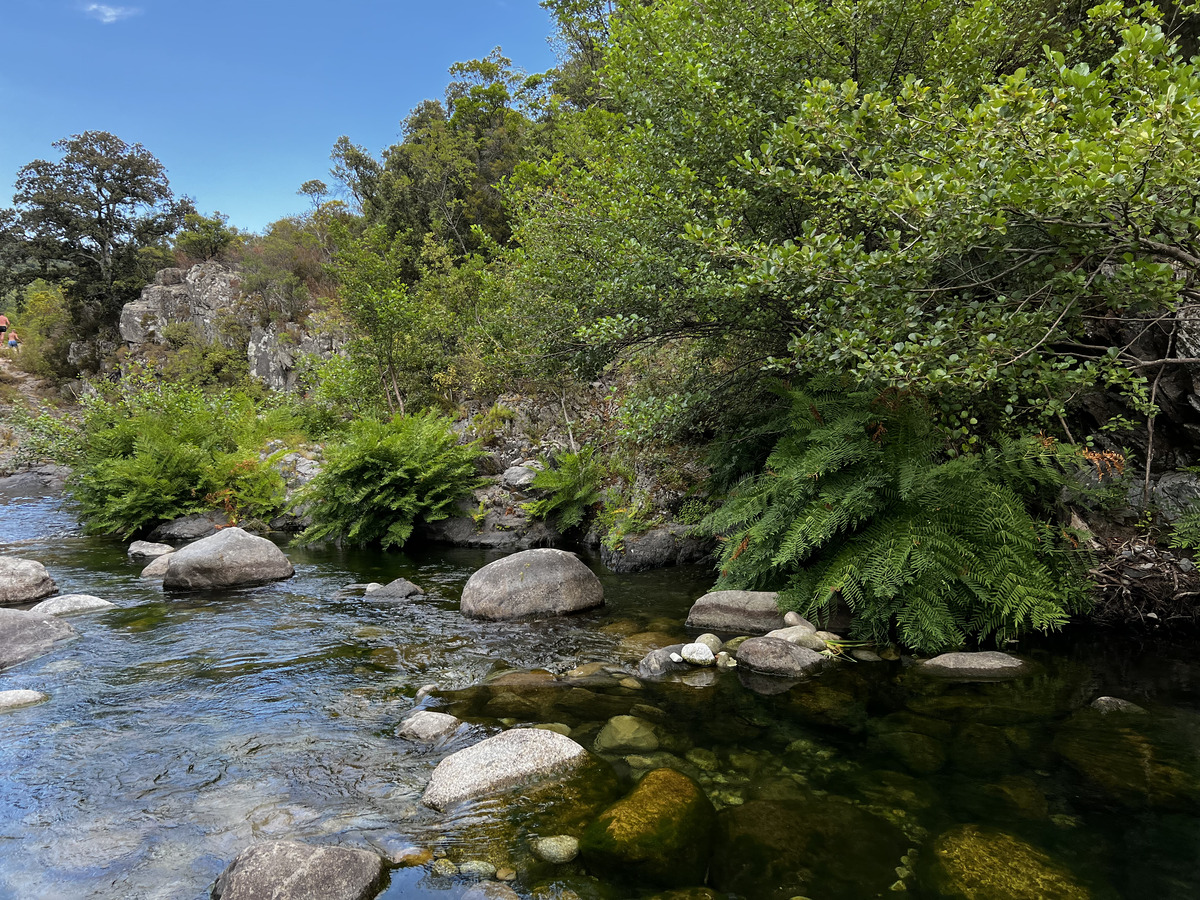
x=156, y=451
x=387, y=477
x=857, y=505
x=573, y=486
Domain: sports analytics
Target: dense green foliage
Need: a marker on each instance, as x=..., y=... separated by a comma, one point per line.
x=95, y=220
x=856, y=505
x=383, y=478
x=154, y=451
x=572, y=487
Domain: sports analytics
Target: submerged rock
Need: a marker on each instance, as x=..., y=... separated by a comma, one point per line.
x=19, y=699
x=428, y=727
x=1108, y=705
x=506, y=760
x=229, y=558
x=558, y=849
x=532, y=583
x=626, y=734
x=23, y=581
x=70, y=604
x=739, y=612
x=772, y=656
x=26, y=635
x=289, y=870
x=975, y=863
x=660, y=834
x=987, y=665
x=1137, y=766
x=490, y=890
x=810, y=847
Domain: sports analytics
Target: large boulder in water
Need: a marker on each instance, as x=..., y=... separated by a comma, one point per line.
x=23, y=581
x=25, y=635
x=190, y=528
x=70, y=605
x=983, y=665
x=975, y=863
x=289, y=870
x=737, y=612
x=229, y=558
x=532, y=583
x=661, y=834
x=775, y=656
x=504, y=761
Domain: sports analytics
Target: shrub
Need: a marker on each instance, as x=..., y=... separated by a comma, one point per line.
x=572, y=486
x=385, y=478
x=856, y=504
x=157, y=451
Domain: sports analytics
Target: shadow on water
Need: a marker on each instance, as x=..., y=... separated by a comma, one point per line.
x=183, y=727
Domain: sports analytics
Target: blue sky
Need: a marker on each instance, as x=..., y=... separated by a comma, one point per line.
x=241, y=100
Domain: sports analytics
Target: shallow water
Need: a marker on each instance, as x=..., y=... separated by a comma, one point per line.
x=182, y=728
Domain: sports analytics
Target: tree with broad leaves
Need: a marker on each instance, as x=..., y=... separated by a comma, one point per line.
x=95, y=219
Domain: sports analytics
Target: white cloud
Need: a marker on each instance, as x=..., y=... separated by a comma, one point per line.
x=109, y=14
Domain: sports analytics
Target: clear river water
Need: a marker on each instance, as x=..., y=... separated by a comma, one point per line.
x=183, y=728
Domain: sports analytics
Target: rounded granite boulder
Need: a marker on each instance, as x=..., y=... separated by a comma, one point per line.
x=532, y=583
x=736, y=612
x=23, y=581
x=289, y=870
x=229, y=558
x=775, y=656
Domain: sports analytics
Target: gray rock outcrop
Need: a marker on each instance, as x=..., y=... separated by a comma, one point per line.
x=289, y=870
x=229, y=558
x=667, y=545
x=23, y=581
x=275, y=352
x=509, y=759
x=504, y=525
x=38, y=481
x=26, y=635
x=70, y=605
x=983, y=665
x=773, y=656
x=196, y=295
x=739, y=612
x=399, y=589
x=532, y=583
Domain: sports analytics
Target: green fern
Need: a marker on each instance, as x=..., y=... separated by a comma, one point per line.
x=385, y=478
x=855, y=504
x=572, y=486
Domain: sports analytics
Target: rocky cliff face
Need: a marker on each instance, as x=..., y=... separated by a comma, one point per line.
x=203, y=296
x=197, y=295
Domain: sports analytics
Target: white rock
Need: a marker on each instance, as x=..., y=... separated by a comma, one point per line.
x=675, y=657
x=428, y=727
x=507, y=760
x=697, y=654
x=10, y=700
x=70, y=604
x=559, y=849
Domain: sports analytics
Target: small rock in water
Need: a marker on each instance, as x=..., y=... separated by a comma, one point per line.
x=410, y=857
x=562, y=848
x=70, y=604
x=479, y=869
x=557, y=727
x=625, y=734
x=444, y=868
x=676, y=658
x=711, y=641
x=867, y=656
x=424, y=691
x=490, y=890
x=428, y=727
x=1108, y=705
x=725, y=661
x=630, y=683
x=372, y=586
x=702, y=759
x=698, y=654
x=984, y=665
x=287, y=870
x=144, y=551
x=10, y=700
x=506, y=873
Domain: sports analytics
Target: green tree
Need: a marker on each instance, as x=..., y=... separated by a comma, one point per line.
x=204, y=238
x=97, y=217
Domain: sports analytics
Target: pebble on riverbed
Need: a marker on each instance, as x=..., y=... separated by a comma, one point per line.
x=559, y=849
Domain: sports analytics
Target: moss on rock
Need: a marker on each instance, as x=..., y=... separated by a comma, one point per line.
x=974, y=863
x=660, y=834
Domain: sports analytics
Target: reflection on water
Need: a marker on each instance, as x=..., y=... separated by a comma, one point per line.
x=184, y=727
